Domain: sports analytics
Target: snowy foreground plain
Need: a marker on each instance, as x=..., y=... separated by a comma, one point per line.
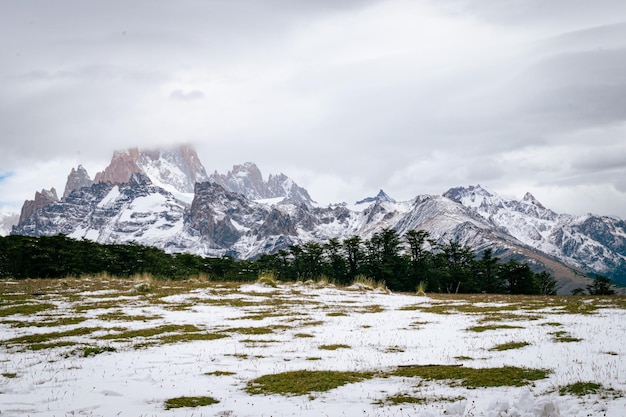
x=106, y=347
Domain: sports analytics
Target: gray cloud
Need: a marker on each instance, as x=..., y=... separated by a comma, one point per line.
x=186, y=96
x=346, y=97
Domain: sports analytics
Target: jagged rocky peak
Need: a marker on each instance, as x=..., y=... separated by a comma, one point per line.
x=42, y=198
x=530, y=199
x=176, y=169
x=179, y=167
x=476, y=197
x=123, y=164
x=381, y=196
x=247, y=179
x=77, y=179
x=282, y=186
x=244, y=179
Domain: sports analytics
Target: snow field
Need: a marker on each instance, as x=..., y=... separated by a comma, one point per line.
x=380, y=331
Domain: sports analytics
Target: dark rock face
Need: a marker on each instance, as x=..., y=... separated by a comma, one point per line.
x=381, y=196
x=42, y=199
x=247, y=180
x=595, y=244
x=109, y=213
x=606, y=231
x=77, y=179
x=122, y=166
x=282, y=186
x=179, y=167
x=210, y=214
x=221, y=218
x=277, y=223
x=131, y=201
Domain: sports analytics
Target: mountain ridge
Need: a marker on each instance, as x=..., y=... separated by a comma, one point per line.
x=240, y=214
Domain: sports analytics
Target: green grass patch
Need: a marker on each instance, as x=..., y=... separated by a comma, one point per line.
x=262, y=315
x=121, y=316
x=47, y=337
x=567, y=339
x=584, y=388
x=219, y=373
x=410, y=399
x=251, y=330
x=371, y=309
x=54, y=322
x=95, y=350
x=189, y=337
x=100, y=305
x=9, y=375
x=311, y=323
x=480, y=329
x=259, y=341
x=51, y=345
x=337, y=314
x=564, y=337
x=466, y=308
x=394, y=349
x=180, y=402
x=303, y=335
x=26, y=309
x=509, y=346
x=580, y=389
x=303, y=382
x=474, y=377
x=334, y=347
x=153, y=331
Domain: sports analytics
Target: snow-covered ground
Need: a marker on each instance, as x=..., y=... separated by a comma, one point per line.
x=379, y=331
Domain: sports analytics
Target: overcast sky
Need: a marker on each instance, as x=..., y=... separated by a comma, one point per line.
x=345, y=97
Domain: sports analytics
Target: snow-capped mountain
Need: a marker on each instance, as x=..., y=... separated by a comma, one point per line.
x=381, y=196
x=247, y=180
x=135, y=211
x=42, y=199
x=176, y=170
x=77, y=179
x=241, y=215
x=592, y=243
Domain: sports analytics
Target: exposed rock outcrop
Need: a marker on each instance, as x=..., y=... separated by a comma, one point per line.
x=246, y=179
x=42, y=199
x=77, y=179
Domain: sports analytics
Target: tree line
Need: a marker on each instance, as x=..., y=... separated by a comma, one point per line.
x=405, y=262
x=60, y=256
x=402, y=262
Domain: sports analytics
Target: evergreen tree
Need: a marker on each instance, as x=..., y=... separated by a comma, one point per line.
x=548, y=285
x=519, y=277
x=420, y=257
x=336, y=265
x=487, y=271
x=354, y=256
x=456, y=263
x=600, y=286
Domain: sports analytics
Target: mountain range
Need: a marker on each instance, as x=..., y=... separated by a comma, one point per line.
x=165, y=198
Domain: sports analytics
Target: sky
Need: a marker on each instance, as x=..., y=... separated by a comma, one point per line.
x=345, y=97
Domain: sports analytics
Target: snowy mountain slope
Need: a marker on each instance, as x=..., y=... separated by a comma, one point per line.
x=136, y=211
x=596, y=244
x=241, y=215
x=220, y=222
x=246, y=179
x=175, y=170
